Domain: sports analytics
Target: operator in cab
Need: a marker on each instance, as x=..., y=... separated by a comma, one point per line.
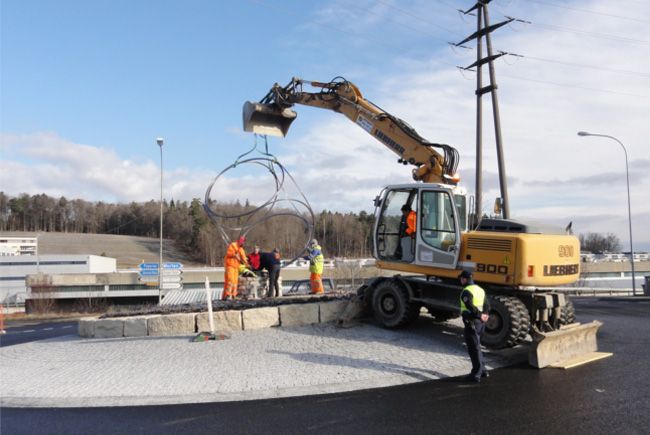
x=407, y=233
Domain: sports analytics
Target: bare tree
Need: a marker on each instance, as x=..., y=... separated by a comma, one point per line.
x=597, y=242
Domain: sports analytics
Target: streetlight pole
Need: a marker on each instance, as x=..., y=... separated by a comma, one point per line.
x=629, y=207
x=160, y=142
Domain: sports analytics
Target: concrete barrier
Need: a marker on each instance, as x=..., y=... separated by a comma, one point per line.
x=298, y=314
x=109, y=328
x=223, y=321
x=86, y=327
x=136, y=326
x=171, y=324
x=258, y=318
x=330, y=311
x=157, y=325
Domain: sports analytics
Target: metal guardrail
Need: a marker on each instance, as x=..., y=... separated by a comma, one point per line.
x=592, y=291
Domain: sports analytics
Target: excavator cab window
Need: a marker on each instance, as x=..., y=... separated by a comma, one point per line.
x=438, y=228
x=397, y=225
x=461, y=206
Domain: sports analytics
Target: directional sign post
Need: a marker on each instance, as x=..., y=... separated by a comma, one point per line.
x=149, y=274
x=171, y=285
x=172, y=276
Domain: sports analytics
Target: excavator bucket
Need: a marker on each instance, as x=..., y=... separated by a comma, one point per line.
x=267, y=119
x=567, y=347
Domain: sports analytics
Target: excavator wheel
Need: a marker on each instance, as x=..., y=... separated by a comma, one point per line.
x=568, y=313
x=391, y=306
x=509, y=322
x=442, y=315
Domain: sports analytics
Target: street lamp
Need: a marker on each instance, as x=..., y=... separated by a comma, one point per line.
x=629, y=208
x=160, y=142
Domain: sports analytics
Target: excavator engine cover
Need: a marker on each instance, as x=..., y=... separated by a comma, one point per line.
x=267, y=119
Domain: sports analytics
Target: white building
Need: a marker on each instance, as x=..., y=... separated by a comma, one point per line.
x=14, y=269
x=12, y=246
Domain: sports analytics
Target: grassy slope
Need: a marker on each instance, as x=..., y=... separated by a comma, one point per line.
x=128, y=250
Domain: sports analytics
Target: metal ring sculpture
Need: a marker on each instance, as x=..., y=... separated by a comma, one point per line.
x=266, y=211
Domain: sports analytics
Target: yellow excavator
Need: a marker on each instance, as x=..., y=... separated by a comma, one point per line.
x=513, y=261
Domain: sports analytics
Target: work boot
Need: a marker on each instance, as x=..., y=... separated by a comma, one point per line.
x=472, y=378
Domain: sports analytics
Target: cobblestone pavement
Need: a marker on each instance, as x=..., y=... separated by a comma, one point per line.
x=277, y=362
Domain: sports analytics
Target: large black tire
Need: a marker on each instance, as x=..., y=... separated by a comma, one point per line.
x=568, y=313
x=391, y=306
x=509, y=322
x=442, y=315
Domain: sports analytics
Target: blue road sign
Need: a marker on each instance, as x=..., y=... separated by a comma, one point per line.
x=149, y=272
x=172, y=265
x=144, y=266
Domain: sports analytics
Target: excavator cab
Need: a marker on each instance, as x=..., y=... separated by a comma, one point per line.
x=267, y=119
x=435, y=239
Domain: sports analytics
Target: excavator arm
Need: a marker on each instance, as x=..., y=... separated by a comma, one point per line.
x=273, y=116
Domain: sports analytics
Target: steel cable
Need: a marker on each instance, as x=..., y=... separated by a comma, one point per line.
x=266, y=211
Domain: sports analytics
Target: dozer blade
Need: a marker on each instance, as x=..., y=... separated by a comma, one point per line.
x=570, y=346
x=267, y=119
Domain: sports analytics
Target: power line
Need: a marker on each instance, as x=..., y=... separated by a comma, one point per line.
x=587, y=11
x=377, y=41
x=565, y=29
x=431, y=35
x=592, y=34
x=579, y=65
x=586, y=88
x=417, y=17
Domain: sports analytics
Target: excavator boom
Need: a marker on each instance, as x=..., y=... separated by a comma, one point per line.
x=273, y=116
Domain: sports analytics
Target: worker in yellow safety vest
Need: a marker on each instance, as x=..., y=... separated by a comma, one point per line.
x=316, y=260
x=235, y=257
x=474, y=308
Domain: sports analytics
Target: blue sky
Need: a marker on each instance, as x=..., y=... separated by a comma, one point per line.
x=86, y=87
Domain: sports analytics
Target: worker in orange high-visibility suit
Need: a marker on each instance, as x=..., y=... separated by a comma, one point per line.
x=316, y=260
x=235, y=256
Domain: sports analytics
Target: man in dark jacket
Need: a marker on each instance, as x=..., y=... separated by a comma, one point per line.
x=271, y=262
x=474, y=308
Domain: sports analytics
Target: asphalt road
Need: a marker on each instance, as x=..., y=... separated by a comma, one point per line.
x=606, y=397
x=19, y=332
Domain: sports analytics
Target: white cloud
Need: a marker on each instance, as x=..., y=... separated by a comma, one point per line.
x=47, y=163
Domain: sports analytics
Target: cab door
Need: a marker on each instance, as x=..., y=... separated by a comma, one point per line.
x=438, y=229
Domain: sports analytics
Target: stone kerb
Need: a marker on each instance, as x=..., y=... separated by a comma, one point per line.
x=330, y=311
x=223, y=321
x=109, y=328
x=298, y=314
x=231, y=320
x=172, y=324
x=86, y=327
x=137, y=326
x=258, y=318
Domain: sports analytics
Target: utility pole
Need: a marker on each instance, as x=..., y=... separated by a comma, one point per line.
x=483, y=30
x=160, y=141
